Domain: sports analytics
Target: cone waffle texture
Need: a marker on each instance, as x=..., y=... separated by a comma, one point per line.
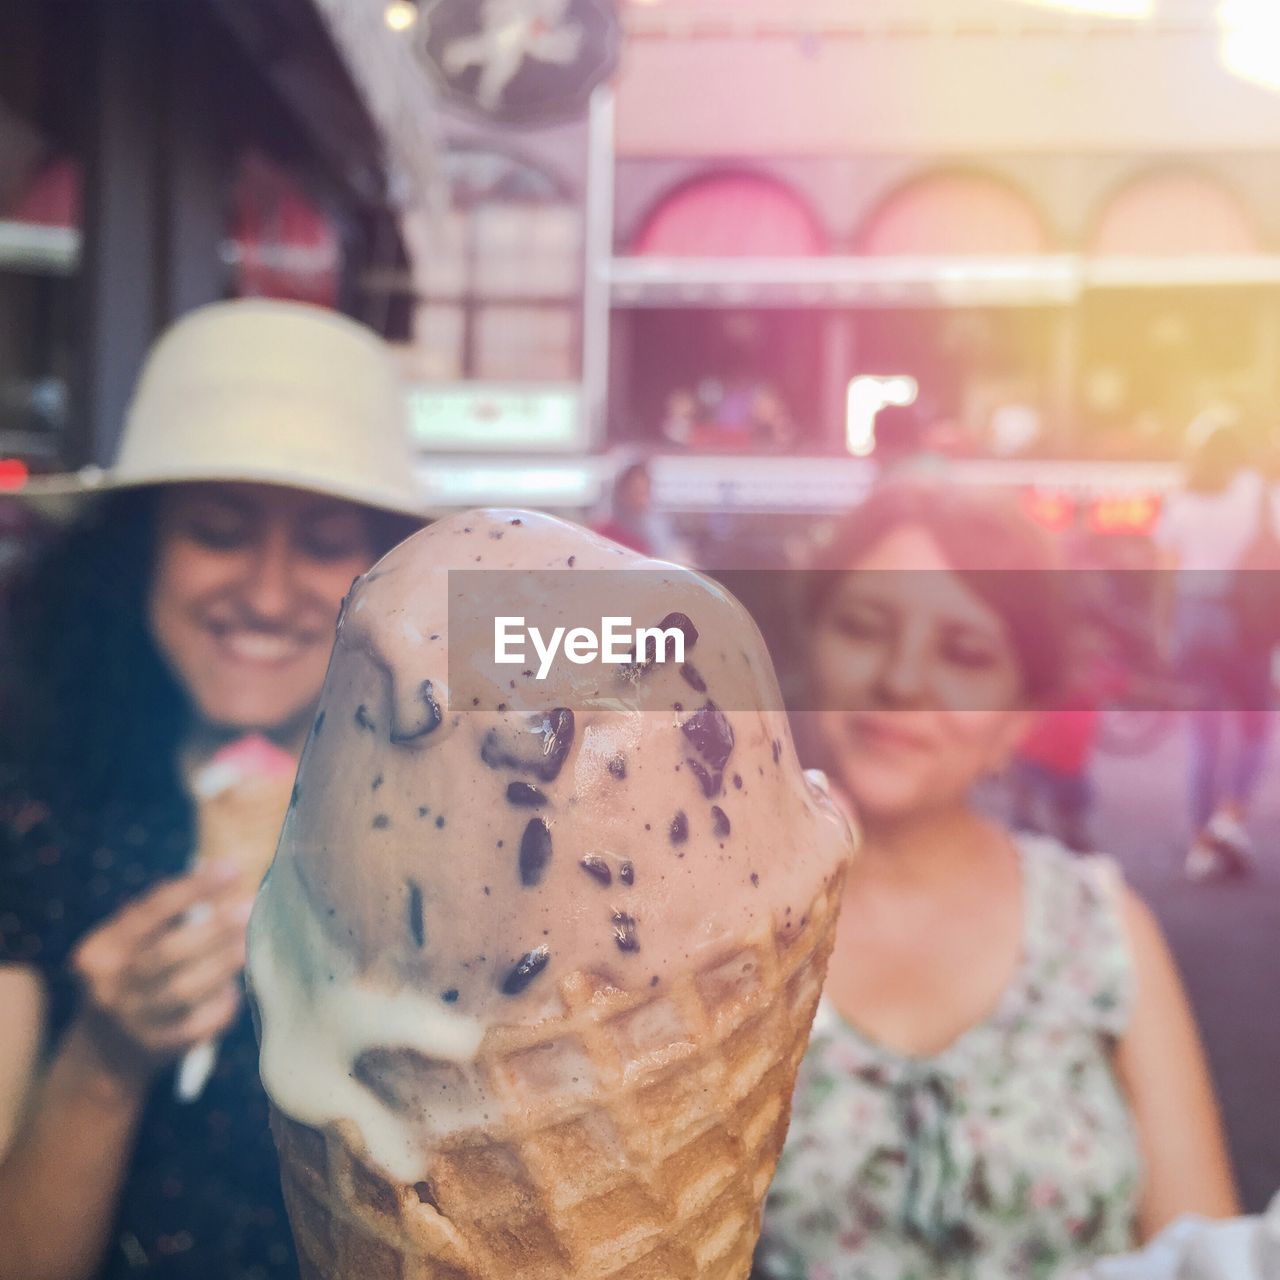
x=637, y=1137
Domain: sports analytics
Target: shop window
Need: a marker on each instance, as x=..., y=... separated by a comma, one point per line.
x=282, y=244
x=1152, y=361
x=518, y=344
x=39, y=262
x=717, y=380
x=981, y=376
x=497, y=276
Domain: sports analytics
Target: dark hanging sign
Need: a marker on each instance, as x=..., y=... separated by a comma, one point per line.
x=519, y=62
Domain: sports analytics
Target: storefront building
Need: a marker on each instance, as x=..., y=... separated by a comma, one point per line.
x=1055, y=224
x=154, y=157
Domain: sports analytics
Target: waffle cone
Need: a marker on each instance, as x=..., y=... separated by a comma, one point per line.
x=638, y=1136
x=241, y=826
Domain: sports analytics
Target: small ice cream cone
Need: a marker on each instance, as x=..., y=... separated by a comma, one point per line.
x=241, y=797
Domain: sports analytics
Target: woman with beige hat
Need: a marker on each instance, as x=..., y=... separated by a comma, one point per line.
x=167, y=656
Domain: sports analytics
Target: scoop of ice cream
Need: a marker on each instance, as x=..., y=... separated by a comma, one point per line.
x=450, y=860
x=241, y=796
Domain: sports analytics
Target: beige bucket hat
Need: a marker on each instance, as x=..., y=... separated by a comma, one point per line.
x=265, y=391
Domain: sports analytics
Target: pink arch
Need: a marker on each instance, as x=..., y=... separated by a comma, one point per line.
x=1174, y=213
x=953, y=214
x=730, y=215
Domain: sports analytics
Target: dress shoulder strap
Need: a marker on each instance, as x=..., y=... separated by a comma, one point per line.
x=1076, y=936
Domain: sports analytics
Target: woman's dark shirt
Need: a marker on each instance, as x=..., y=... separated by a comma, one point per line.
x=202, y=1197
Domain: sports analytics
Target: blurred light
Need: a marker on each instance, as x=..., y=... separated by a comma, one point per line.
x=1100, y=8
x=866, y=396
x=400, y=15
x=1134, y=513
x=13, y=474
x=1051, y=509
x=1251, y=40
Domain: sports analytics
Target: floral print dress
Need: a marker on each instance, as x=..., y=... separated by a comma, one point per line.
x=1011, y=1154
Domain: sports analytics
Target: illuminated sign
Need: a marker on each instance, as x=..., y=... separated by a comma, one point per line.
x=1052, y=509
x=866, y=396
x=1132, y=513
x=13, y=474
x=483, y=416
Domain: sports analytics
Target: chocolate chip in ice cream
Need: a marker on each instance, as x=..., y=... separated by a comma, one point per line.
x=708, y=781
x=417, y=926
x=597, y=868
x=681, y=622
x=525, y=795
x=719, y=821
x=692, y=677
x=535, y=852
x=525, y=970
x=618, y=767
x=627, y=873
x=540, y=746
x=624, y=931
x=421, y=717
x=710, y=734
x=679, y=829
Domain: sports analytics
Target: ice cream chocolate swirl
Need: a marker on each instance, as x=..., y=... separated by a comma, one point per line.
x=445, y=870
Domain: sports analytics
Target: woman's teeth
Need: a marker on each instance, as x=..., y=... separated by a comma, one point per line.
x=250, y=646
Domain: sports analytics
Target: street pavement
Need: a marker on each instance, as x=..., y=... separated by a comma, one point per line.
x=1226, y=938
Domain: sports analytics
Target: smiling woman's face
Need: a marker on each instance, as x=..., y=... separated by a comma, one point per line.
x=918, y=682
x=244, y=592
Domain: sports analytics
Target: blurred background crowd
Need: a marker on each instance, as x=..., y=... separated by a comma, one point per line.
x=704, y=274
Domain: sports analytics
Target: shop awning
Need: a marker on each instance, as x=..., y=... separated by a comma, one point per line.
x=735, y=215
x=953, y=215
x=1174, y=215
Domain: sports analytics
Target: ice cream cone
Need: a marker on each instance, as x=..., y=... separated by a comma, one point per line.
x=637, y=1135
x=536, y=962
x=241, y=797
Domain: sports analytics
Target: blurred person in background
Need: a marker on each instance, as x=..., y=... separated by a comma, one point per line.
x=1004, y=1078
x=1218, y=523
x=1049, y=775
x=264, y=465
x=634, y=522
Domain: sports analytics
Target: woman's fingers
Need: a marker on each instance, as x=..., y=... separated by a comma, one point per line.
x=205, y=1022
x=189, y=986
x=190, y=940
x=142, y=920
x=164, y=970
